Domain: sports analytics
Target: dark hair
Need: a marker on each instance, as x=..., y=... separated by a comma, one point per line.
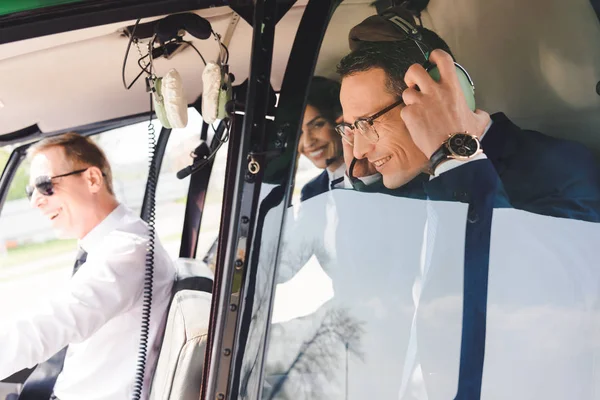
x=324, y=95
x=393, y=57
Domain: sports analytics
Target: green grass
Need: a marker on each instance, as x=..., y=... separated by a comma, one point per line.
x=172, y=237
x=36, y=251
x=48, y=268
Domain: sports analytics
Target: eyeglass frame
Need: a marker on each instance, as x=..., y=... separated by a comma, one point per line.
x=29, y=189
x=339, y=128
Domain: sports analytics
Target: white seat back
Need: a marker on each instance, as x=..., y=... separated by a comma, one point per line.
x=178, y=372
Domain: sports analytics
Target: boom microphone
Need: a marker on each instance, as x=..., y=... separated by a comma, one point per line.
x=184, y=173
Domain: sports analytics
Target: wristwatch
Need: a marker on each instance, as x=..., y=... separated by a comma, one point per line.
x=458, y=146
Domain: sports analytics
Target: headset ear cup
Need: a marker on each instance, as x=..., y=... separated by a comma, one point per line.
x=225, y=95
x=159, y=105
x=465, y=83
x=467, y=87
x=174, y=99
x=211, y=91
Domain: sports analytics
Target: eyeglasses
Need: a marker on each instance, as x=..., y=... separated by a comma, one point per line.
x=364, y=126
x=44, y=185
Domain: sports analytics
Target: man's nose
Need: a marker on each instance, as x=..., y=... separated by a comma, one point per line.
x=361, y=147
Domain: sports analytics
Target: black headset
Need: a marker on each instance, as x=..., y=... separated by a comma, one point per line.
x=412, y=33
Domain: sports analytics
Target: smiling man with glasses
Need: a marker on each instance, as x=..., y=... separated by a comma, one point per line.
x=98, y=313
x=398, y=123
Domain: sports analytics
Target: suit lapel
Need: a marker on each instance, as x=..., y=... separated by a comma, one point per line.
x=323, y=182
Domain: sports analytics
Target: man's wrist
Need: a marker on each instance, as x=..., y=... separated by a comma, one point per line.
x=452, y=164
x=460, y=146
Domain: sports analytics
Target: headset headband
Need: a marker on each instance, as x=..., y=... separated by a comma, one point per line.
x=409, y=29
x=403, y=24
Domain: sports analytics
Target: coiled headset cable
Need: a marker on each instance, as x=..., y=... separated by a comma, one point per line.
x=149, y=273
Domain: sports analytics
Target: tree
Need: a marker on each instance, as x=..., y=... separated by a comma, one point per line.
x=319, y=356
x=20, y=180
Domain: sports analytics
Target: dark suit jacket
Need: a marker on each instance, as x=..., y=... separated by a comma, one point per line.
x=539, y=173
x=526, y=170
x=316, y=186
x=542, y=174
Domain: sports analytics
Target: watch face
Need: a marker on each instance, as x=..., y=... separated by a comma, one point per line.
x=463, y=145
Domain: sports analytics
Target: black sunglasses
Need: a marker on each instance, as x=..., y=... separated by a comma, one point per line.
x=44, y=185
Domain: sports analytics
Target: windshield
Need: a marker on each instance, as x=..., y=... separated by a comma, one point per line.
x=461, y=270
x=35, y=261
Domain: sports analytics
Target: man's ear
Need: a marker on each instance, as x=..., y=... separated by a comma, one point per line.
x=95, y=179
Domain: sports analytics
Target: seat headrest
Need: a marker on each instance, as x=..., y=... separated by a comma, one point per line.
x=190, y=267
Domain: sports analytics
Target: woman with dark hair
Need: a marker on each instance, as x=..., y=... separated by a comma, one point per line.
x=319, y=141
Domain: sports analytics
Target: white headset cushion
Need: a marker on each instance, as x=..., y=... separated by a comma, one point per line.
x=211, y=85
x=174, y=99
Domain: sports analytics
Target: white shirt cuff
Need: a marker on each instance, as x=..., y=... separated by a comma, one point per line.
x=451, y=164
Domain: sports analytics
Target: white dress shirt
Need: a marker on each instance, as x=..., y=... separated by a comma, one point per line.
x=98, y=315
x=338, y=173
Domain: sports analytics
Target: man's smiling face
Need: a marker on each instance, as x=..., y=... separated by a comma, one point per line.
x=67, y=208
x=395, y=156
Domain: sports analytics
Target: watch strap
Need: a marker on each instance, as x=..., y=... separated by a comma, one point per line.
x=439, y=156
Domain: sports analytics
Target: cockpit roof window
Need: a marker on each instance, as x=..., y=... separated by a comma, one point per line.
x=14, y=6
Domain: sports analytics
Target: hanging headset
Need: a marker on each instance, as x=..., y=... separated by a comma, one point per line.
x=412, y=33
x=168, y=97
x=216, y=86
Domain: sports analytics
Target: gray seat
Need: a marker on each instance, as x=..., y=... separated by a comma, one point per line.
x=178, y=372
x=9, y=391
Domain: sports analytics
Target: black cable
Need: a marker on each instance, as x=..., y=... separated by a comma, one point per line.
x=197, y=51
x=226, y=52
x=142, y=66
x=218, y=39
x=136, y=78
x=199, y=164
x=127, y=55
x=149, y=274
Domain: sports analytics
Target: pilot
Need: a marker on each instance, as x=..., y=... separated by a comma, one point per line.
x=97, y=315
x=384, y=72
x=319, y=141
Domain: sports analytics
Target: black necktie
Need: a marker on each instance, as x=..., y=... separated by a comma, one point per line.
x=40, y=384
x=81, y=258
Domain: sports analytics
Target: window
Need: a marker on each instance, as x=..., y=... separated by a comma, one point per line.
x=403, y=285
x=14, y=6
x=33, y=259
